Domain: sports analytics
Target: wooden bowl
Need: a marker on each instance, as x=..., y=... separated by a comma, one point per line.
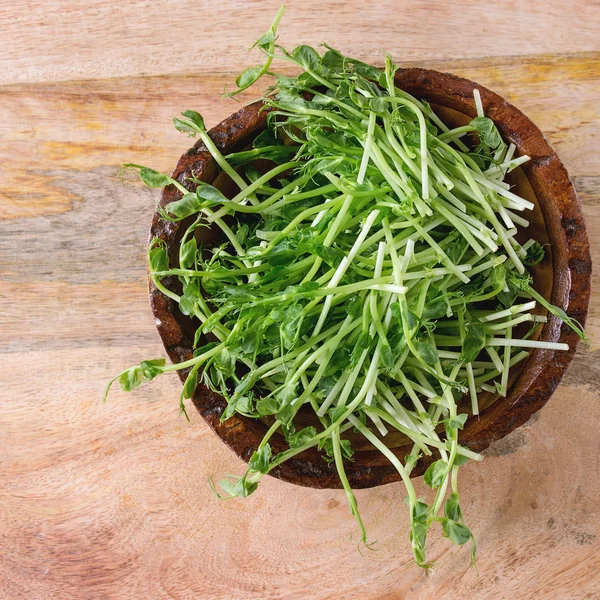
x=564, y=276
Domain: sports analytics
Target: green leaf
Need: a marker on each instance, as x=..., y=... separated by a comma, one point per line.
x=152, y=368
x=301, y=437
x=193, y=124
x=214, y=319
x=487, y=131
x=251, y=341
x=209, y=193
x=341, y=360
x=377, y=105
x=397, y=344
x=327, y=447
x=188, y=253
x=479, y=160
x=131, y=378
x=522, y=281
x=264, y=41
x=332, y=256
x=278, y=154
x=225, y=361
x=334, y=60
x=152, y=178
x=307, y=57
x=420, y=512
x=184, y=127
x=273, y=404
x=190, y=384
x=411, y=460
x=239, y=293
x=192, y=288
x=267, y=406
x=282, y=254
x=513, y=283
x=459, y=421
x=286, y=414
x=325, y=385
x=363, y=343
x=238, y=404
x=259, y=461
x=188, y=205
x=195, y=118
x=249, y=76
x=346, y=448
x=427, y=350
x=436, y=309
x=413, y=138
x=452, y=508
x=244, y=488
x=276, y=315
x=187, y=305
x=508, y=297
x=287, y=394
x=228, y=487
x=306, y=80
x=435, y=474
x=158, y=257
x=473, y=342
x=237, y=487
x=365, y=70
x=535, y=254
x=387, y=357
x=290, y=328
x=204, y=348
x=245, y=406
x=458, y=533
x=335, y=413
x=404, y=314
x=455, y=251
x=418, y=532
x=265, y=138
x=241, y=233
x=353, y=307
x=418, y=537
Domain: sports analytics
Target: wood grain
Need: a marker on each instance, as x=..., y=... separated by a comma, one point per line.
x=110, y=501
x=82, y=39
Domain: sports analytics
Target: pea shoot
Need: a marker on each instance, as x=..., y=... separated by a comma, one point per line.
x=371, y=273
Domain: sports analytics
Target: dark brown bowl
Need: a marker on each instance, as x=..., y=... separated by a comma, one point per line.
x=564, y=277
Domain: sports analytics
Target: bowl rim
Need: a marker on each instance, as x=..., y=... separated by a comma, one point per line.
x=544, y=369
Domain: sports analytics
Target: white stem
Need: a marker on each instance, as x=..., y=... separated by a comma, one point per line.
x=527, y=344
x=478, y=104
x=508, y=312
x=472, y=391
x=343, y=266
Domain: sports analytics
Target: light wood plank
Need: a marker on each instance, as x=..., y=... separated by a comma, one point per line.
x=82, y=39
x=111, y=500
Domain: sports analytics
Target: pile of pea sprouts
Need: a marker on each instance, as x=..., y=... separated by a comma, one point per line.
x=369, y=272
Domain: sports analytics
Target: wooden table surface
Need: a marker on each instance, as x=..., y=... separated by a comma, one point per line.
x=103, y=501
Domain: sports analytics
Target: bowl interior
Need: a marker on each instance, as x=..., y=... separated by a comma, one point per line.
x=497, y=415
